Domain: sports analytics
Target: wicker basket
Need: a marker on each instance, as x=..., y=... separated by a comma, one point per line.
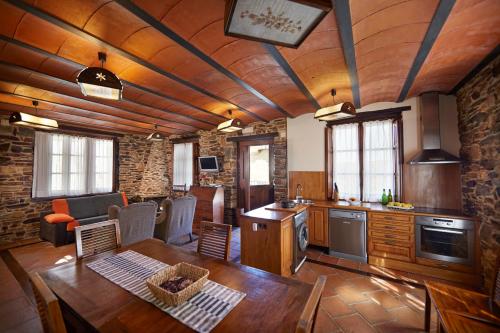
x=197, y=274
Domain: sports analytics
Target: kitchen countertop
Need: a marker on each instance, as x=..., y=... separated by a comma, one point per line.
x=274, y=212
x=378, y=207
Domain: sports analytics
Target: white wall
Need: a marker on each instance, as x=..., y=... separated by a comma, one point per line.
x=305, y=143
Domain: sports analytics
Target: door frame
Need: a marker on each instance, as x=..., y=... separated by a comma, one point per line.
x=252, y=141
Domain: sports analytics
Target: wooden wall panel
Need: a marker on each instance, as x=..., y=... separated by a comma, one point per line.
x=433, y=186
x=313, y=184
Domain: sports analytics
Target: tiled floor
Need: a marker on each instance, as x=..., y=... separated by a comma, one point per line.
x=351, y=302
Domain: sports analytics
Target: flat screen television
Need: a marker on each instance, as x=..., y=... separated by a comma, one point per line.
x=208, y=163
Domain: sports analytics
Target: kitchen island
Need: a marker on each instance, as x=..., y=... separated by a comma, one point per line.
x=267, y=238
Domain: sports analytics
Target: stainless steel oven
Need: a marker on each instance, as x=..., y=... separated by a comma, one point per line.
x=444, y=239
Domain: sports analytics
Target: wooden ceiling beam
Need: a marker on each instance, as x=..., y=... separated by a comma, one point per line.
x=144, y=16
x=120, y=120
x=343, y=17
x=438, y=20
x=104, y=102
x=98, y=41
x=134, y=85
x=273, y=51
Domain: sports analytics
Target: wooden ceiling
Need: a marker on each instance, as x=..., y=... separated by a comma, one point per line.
x=181, y=73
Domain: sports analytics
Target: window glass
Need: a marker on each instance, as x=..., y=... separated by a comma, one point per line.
x=183, y=166
x=259, y=165
x=346, y=160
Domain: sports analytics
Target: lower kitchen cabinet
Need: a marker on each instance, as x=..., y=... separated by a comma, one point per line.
x=318, y=226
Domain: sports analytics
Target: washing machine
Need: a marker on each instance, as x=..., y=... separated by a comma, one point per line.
x=300, y=240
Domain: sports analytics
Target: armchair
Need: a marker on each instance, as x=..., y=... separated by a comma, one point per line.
x=137, y=221
x=176, y=219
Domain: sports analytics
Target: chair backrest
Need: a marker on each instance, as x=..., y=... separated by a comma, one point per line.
x=308, y=316
x=96, y=238
x=48, y=306
x=214, y=239
x=137, y=221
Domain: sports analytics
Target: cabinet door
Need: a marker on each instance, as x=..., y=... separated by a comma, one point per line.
x=318, y=226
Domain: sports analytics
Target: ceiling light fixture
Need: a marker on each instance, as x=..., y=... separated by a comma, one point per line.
x=231, y=125
x=25, y=119
x=337, y=111
x=281, y=22
x=155, y=136
x=99, y=82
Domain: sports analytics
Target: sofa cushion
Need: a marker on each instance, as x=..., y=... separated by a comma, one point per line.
x=60, y=206
x=93, y=219
x=96, y=205
x=58, y=218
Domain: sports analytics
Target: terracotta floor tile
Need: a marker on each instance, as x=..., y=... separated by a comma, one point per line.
x=373, y=312
x=365, y=283
x=313, y=253
x=350, y=294
x=322, y=269
x=328, y=259
x=335, y=306
x=324, y=323
x=408, y=317
x=306, y=274
x=332, y=283
x=16, y=312
x=395, y=327
x=354, y=324
x=385, y=299
x=348, y=263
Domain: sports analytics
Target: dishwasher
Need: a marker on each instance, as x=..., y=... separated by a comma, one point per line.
x=347, y=234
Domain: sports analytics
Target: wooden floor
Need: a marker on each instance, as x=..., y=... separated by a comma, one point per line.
x=352, y=302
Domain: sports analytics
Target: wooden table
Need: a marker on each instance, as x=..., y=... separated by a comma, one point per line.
x=456, y=307
x=272, y=304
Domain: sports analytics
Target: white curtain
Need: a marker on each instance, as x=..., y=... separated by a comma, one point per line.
x=346, y=160
x=71, y=165
x=183, y=166
x=378, y=159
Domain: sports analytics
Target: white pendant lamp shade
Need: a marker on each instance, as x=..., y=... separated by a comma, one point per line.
x=26, y=119
x=231, y=125
x=336, y=112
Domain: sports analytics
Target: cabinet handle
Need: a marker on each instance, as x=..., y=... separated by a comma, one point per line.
x=390, y=236
x=388, y=218
x=389, y=243
x=388, y=227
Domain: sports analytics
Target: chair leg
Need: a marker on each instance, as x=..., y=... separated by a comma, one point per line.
x=428, y=305
x=190, y=237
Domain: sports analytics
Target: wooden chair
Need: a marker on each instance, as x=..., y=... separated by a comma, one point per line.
x=214, y=239
x=48, y=306
x=96, y=238
x=308, y=317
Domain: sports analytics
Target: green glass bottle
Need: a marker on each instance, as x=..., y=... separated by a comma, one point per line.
x=384, y=198
x=389, y=197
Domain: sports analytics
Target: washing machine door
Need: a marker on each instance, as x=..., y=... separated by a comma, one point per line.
x=303, y=237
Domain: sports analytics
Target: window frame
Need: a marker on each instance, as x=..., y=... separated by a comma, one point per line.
x=394, y=114
x=196, y=154
x=67, y=130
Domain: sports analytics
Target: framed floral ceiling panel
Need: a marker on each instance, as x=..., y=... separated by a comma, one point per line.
x=281, y=22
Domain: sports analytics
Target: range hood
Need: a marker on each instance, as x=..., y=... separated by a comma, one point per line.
x=431, y=138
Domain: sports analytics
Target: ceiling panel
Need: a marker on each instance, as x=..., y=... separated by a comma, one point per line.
x=471, y=32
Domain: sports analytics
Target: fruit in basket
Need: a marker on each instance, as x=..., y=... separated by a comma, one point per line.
x=407, y=205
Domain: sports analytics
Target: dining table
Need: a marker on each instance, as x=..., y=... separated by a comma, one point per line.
x=90, y=302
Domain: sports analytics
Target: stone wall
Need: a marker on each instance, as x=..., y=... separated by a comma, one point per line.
x=214, y=143
x=144, y=167
x=479, y=126
x=143, y=170
x=18, y=212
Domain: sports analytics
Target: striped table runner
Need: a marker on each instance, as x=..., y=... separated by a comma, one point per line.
x=202, y=312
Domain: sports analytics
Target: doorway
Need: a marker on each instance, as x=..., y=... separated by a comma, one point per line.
x=255, y=173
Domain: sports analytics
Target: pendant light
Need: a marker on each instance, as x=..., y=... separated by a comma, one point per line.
x=155, y=136
x=25, y=119
x=231, y=125
x=335, y=112
x=99, y=82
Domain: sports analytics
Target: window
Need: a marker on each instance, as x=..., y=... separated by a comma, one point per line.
x=259, y=165
x=365, y=159
x=183, y=166
x=71, y=165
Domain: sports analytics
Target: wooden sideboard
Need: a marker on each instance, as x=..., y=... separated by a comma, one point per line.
x=209, y=205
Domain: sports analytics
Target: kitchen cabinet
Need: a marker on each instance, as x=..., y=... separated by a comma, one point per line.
x=391, y=236
x=318, y=226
